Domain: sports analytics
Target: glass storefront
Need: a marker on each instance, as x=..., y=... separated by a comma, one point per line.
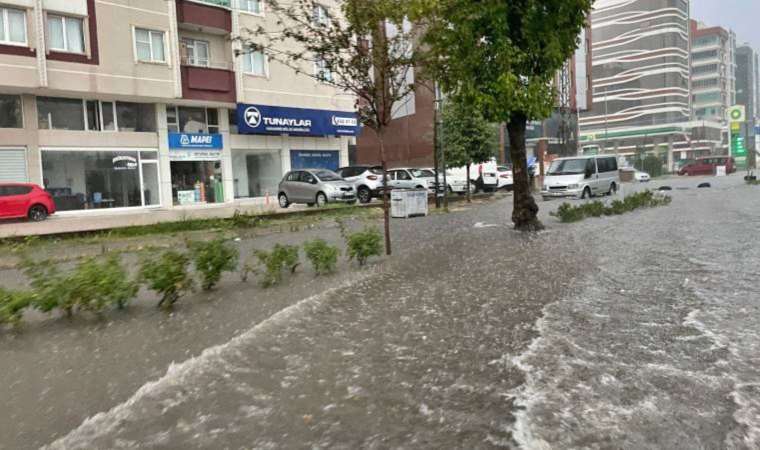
x=197, y=182
x=86, y=179
x=257, y=173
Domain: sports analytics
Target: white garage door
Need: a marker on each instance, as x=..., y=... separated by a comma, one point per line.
x=13, y=165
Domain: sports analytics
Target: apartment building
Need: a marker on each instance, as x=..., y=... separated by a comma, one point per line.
x=640, y=78
x=153, y=103
x=713, y=71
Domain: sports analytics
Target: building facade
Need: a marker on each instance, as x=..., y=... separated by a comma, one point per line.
x=147, y=103
x=713, y=71
x=640, y=71
x=747, y=92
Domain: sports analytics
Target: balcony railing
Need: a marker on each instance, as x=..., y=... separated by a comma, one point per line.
x=223, y=3
x=210, y=64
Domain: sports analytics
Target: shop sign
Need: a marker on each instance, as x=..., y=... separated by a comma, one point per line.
x=313, y=159
x=124, y=163
x=195, y=141
x=263, y=119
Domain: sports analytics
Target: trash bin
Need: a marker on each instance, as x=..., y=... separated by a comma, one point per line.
x=406, y=203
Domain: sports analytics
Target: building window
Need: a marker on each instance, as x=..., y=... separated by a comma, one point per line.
x=322, y=71
x=185, y=119
x=60, y=114
x=100, y=179
x=65, y=34
x=255, y=63
x=320, y=16
x=10, y=112
x=195, y=52
x=251, y=6
x=256, y=172
x=136, y=116
x=149, y=46
x=94, y=115
x=12, y=26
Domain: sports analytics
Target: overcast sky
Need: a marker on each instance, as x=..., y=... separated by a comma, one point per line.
x=739, y=15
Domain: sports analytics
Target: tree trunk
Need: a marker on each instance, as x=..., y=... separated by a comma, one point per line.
x=525, y=208
x=469, y=198
x=386, y=202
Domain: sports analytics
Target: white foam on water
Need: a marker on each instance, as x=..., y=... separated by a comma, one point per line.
x=105, y=423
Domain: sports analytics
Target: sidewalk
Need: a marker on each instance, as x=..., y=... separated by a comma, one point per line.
x=93, y=220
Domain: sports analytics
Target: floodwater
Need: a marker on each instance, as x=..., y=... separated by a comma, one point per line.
x=636, y=331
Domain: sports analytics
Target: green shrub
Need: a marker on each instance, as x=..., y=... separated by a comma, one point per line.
x=168, y=276
x=647, y=199
x=13, y=304
x=281, y=257
x=212, y=259
x=363, y=244
x=93, y=285
x=323, y=257
x=50, y=289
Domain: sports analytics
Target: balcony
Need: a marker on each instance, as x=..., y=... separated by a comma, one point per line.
x=208, y=16
x=213, y=83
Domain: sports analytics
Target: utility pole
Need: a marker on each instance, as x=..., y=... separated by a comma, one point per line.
x=436, y=149
x=439, y=144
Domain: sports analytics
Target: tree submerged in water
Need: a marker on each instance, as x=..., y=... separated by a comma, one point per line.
x=502, y=56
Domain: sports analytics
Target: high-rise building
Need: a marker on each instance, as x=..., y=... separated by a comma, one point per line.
x=747, y=92
x=640, y=72
x=713, y=71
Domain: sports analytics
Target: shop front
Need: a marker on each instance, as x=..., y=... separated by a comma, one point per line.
x=90, y=179
x=196, y=168
x=258, y=169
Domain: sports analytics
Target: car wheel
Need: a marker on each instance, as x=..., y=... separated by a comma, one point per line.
x=419, y=187
x=586, y=193
x=283, y=199
x=473, y=187
x=364, y=195
x=321, y=199
x=37, y=213
x=449, y=190
x=613, y=189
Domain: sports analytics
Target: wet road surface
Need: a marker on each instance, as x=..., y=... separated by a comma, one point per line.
x=636, y=331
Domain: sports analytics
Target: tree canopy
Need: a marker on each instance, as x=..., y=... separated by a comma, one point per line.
x=467, y=138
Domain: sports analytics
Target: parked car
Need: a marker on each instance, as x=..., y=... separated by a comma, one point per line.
x=506, y=181
x=314, y=186
x=705, y=165
x=18, y=200
x=367, y=181
x=583, y=176
x=641, y=177
x=402, y=178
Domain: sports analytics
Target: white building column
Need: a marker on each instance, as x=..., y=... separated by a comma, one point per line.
x=344, y=141
x=31, y=131
x=164, y=163
x=285, y=153
x=227, y=178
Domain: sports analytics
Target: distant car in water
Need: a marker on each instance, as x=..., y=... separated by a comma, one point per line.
x=314, y=186
x=19, y=200
x=641, y=177
x=705, y=165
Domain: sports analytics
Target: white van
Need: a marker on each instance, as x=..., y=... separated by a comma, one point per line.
x=483, y=177
x=581, y=176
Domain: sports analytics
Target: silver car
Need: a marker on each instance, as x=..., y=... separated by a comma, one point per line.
x=314, y=186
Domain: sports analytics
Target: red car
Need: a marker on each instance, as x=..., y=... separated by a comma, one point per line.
x=705, y=165
x=18, y=200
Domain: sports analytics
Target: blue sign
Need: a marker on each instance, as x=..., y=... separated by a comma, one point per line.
x=263, y=119
x=313, y=159
x=189, y=141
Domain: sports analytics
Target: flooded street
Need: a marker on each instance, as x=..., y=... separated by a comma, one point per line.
x=635, y=331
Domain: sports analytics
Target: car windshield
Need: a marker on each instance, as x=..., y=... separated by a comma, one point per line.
x=327, y=175
x=422, y=173
x=568, y=167
x=376, y=170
